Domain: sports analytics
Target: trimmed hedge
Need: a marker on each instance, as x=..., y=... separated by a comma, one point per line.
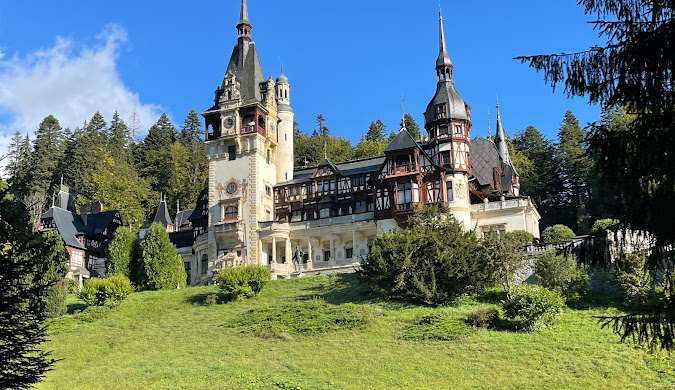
x=108, y=292
x=243, y=282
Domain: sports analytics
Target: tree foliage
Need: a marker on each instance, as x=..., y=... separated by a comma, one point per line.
x=22, y=297
x=162, y=265
x=557, y=233
x=634, y=70
x=120, y=252
x=432, y=261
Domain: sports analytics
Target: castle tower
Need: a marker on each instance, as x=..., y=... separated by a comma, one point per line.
x=503, y=149
x=447, y=119
x=243, y=153
x=286, y=117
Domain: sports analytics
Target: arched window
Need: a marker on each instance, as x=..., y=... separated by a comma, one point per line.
x=231, y=212
x=205, y=263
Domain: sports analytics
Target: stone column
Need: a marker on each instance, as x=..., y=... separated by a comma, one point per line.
x=309, y=253
x=332, y=250
x=354, y=248
x=260, y=259
x=274, y=251
x=289, y=256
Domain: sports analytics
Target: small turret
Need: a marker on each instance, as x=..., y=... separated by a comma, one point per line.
x=283, y=92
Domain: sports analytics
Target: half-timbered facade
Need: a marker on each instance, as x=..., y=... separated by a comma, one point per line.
x=260, y=210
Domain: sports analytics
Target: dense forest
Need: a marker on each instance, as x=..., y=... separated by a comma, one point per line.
x=109, y=163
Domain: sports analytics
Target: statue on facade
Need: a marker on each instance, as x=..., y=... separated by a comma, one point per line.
x=297, y=258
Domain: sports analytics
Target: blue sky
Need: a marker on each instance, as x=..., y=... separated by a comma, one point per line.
x=349, y=60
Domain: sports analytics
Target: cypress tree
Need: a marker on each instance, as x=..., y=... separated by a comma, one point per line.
x=120, y=252
x=159, y=260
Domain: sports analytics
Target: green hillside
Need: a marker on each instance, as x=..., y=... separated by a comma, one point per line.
x=344, y=340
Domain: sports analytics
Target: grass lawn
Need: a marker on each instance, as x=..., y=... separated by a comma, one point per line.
x=172, y=340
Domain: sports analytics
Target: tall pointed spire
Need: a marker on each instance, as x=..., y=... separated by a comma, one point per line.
x=443, y=63
x=500, y=139
x=243, y=15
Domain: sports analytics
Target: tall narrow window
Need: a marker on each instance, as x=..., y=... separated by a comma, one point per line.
x=232, y=152
x=205, y=263
x=448, y=187
x=404, y=193
x=268, y=156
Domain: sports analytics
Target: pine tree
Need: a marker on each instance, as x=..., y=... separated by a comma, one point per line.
x=191, y=131
x=412, y=126
x=321, y=129
x=22, y=298
x=118, y=138
x=45, y=156
x=13, y=155
x=376, y=131
x=574, y=167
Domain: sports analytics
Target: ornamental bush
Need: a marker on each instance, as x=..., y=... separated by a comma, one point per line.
x=432, y=261
x=557, y=233
x=243, y=282
x=534, y=306
x=483, y=317
x=520, y=236
x=562, y=273
x=108, y=292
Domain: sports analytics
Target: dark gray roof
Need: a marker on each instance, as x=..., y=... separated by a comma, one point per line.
x=506, y=179
x=183, y=217
x=446, y=94
x=347, y=168
x=182, y=239
x=403, y=140
x=97, y=223
x=162, y=216
x=65, y=201
x=327, y=162
x=443, y=57
x=68, y=224
x=484, y=158
x=245, y=65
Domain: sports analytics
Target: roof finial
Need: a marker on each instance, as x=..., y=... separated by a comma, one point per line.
x=243, y=15
x=403, y=113
x=489, y=129
x=443, y=63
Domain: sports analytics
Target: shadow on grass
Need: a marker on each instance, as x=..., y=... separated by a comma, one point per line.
x=201, y=299
x=598, y=301
x=72, y=308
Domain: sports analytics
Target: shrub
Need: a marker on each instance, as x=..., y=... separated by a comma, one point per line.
x=436, y=326
x=243, y=282
x=309, y=317
x=601, y=225
x=159, y=269
x=73, y=286
x=557, y=233
x=119, y=253
x=53, y=270
x=562, y=273
x=633, y=277
x=210, y=300
x=106, y=292
x=432, y=261
x=520, y=236
x=535, y=306
x=483, y=317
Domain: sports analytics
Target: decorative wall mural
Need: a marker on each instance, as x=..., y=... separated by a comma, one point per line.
x=232, y=188
x=460, y=191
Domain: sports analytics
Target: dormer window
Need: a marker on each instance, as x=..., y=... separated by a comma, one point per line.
x=441, y=111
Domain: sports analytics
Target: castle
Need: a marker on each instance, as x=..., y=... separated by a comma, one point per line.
x=259, y=209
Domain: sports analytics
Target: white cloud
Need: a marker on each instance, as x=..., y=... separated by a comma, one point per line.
x=69, y=81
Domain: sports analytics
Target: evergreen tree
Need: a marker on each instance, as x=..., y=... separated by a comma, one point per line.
x=120, y=252
x=46, y=156
x=159, y=260
x=411, y=126
x=155, y=153
x=22, y=298
x=54, y=268
x=375, y=131
x=118, y=138
x=574, y=167
x=321, y=128
x=13, y=155
x=96, y=132
x=191, y=131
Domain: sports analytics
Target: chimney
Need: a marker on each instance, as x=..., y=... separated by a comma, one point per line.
x=84, y=210
x=96, y=207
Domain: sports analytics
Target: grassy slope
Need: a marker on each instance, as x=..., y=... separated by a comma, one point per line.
x=169, y=339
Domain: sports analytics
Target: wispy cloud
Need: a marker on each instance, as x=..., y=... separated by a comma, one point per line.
x=70, y=81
